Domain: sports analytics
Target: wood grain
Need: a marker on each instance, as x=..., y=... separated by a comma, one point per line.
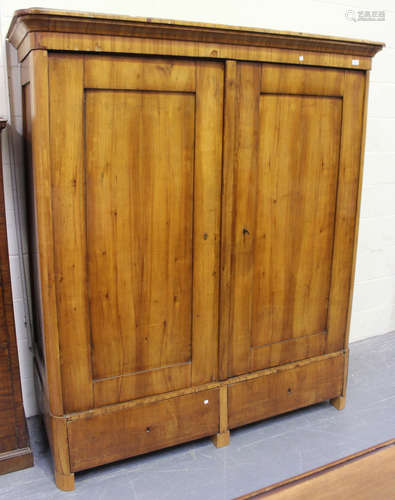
x=285, y=390
x=110, y=408
x=69, y=229
x=223, y=437
x=194, y=198
x=340, y=401
x=109, y=24
x=149, y=257
x=245, y=164
x=105, y=438
x=286, y=351
x=37, y=312
x=276, y=250
x=57, y=435
x=15, y=452
x=139, y=262
x=12, y=461
x=36, y=119
x=142, y=384
x=139, y=73
x=132, y=292
x=292, y=79
x=298, y=158
x=121, y=45
x=207, y=220
x=359, y=198
x=346, y=210
x=362, y=475
x=227, y=196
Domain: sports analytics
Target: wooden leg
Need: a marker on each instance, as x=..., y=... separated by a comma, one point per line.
x=64, y=482
x=221, y=439
x=339, y=403
x=64, y=478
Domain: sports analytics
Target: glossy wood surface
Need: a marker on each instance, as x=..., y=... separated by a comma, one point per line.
x=193, y=226
x=294, y=218
x=280, y=391
x=350, y=168
x=140, y=278
x=142, y=286
x=289, y=208
x=77, y=42
x=142, y=429
x=361, y=476
x=39, y=177
x=15, y=452
x=69, y=231
x=46, y=20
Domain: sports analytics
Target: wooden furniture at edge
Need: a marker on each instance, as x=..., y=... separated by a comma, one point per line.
x=194, y=198
x=15, y=452
x=363, y=475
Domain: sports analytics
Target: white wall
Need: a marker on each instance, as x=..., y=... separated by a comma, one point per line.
x=374, y=297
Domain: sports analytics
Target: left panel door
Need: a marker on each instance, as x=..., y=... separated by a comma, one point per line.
x=136, y=155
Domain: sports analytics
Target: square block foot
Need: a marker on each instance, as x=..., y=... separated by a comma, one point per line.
x=339, y=403
x=221, y=439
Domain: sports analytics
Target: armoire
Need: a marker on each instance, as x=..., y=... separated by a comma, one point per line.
x=193, y=196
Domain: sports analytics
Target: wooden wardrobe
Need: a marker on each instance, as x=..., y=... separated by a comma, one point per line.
x=194, y=194
x=15, y=452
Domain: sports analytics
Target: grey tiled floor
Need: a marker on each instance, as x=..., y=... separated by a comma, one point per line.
x=259, y=454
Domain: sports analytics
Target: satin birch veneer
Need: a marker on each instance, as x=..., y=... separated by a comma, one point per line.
x=194, y=194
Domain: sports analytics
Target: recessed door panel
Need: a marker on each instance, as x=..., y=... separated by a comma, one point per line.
x=139, y=191
x=295, y=215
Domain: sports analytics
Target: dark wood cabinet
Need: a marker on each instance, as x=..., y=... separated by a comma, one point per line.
x=195, y=193
x=15, y=451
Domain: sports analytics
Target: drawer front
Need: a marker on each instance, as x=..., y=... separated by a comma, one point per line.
x=116, y=435
x=285, y=390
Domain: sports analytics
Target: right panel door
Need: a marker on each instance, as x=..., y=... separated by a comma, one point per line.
x=291, y=175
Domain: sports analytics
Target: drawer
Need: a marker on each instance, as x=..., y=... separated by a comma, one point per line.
x=285, y=389
x=100, y=438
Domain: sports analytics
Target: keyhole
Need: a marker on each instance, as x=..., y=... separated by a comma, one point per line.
x=245, y=231
x=148, y=429
x=289, y=390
